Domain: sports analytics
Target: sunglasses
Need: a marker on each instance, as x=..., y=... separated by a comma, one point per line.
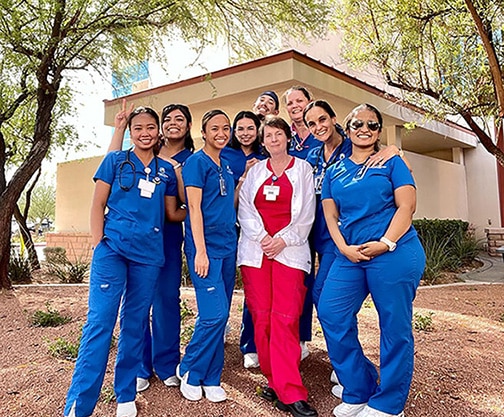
x=358, y=124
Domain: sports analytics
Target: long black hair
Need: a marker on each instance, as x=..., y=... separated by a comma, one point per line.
x=188, y=140
x=246, y=114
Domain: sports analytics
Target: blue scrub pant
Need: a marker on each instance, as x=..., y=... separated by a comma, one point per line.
x=391, y=279
x=113, y=277
x=325, y=262
x=162, y=349
x=204, y=355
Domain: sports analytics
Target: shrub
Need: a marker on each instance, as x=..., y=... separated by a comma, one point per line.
x=67, y=271
x=423, y=322
x=449, y=245
x=64, y=349
x=19, y=271
x=49, y=318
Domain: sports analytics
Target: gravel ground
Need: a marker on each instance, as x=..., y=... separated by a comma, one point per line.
x=459, y=363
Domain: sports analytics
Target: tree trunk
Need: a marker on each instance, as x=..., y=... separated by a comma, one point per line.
x=27, y=239
x=5, y=247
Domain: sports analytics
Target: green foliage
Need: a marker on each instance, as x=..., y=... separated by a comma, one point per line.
x=55, y=255
x=42, y=203
x=49, y=318
x=185, y=311
x=63, y=349
x=449, y=245
x=107, y=394
x=68, y=272
x=423, y=322
x=19, y=268
x=431, y=48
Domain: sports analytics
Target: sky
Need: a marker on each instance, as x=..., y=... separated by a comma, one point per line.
x=91, y=89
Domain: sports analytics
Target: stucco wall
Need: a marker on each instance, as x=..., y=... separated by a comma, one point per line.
x=74, y=190
x=441, y=192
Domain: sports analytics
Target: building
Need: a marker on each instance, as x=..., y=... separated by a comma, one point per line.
x=456, y=177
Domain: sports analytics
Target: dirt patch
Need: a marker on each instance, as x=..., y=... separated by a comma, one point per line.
x=459, y=363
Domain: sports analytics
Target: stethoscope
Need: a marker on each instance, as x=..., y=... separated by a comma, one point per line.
x=147, y=171
x=332, y=159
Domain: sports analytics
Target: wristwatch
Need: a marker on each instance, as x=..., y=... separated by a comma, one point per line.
x=391, y=245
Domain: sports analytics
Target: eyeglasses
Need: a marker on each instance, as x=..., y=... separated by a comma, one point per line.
x=358, y=124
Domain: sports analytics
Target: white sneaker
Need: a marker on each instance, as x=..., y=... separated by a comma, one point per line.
x=190, y=392
x=172, y=381
x=304, y=350
x=142, y=384
x=334, y=378
x=337, y=391
x=373, y=412
x=126, y=409
x=215, y=394
x=227, y=330
x=348, y=410
x=250, y=360
x=72, y=410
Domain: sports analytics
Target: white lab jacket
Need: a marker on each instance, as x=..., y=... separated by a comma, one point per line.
x=297, y=252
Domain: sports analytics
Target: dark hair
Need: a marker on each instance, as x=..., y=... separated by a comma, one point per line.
x=209, y=115
x=319, y=103
x=361, y=107
x=279, y=123
x=245, y=114
x=188, y=140
x=140, y=110
x=304, y=90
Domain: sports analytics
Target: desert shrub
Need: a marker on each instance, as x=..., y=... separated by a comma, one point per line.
x=68, y=272
x=423, y=322
x=449, y=245
x=19, y=271
x=49, y=318
x=55, y=255
x=63, y=349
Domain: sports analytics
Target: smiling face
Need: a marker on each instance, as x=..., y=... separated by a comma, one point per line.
x=216, y=132
x=144, y=131
x=295, y=103
x=320, y=124
x=175, y=126
x=364, y=128
x=246, y=132
x=275, y=141
x=265, y=105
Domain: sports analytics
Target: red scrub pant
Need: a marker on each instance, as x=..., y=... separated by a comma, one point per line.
x=275, y=295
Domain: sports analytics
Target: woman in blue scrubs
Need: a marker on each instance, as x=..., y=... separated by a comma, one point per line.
x=136, y=188
x=245, y=149
x=321, y=120
x=161, y=353
x=368, y=211
x=210, y=247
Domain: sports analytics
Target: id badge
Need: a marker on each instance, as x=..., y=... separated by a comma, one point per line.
x=271, y=192
x=222, y=186
x=146, y=188
x=318, y=184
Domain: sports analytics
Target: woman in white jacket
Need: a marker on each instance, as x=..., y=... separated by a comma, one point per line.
x=276, y=211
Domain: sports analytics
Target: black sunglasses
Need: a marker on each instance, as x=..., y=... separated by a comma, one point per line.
x=357, y=124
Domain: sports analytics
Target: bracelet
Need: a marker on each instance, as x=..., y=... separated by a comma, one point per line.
x=241, y=179
x=177, y=166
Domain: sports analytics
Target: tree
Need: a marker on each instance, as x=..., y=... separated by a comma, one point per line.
x=42, y=42
x=446, y=55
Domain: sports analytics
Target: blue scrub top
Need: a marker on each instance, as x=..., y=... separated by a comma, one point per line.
x=219, y=215
x=320, y=236
x=301, y=151
x=237, y=160
x=133, y=224
x=365, y=197
x=173, y=233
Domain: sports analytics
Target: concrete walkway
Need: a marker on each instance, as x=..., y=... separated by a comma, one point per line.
x=492, y=270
